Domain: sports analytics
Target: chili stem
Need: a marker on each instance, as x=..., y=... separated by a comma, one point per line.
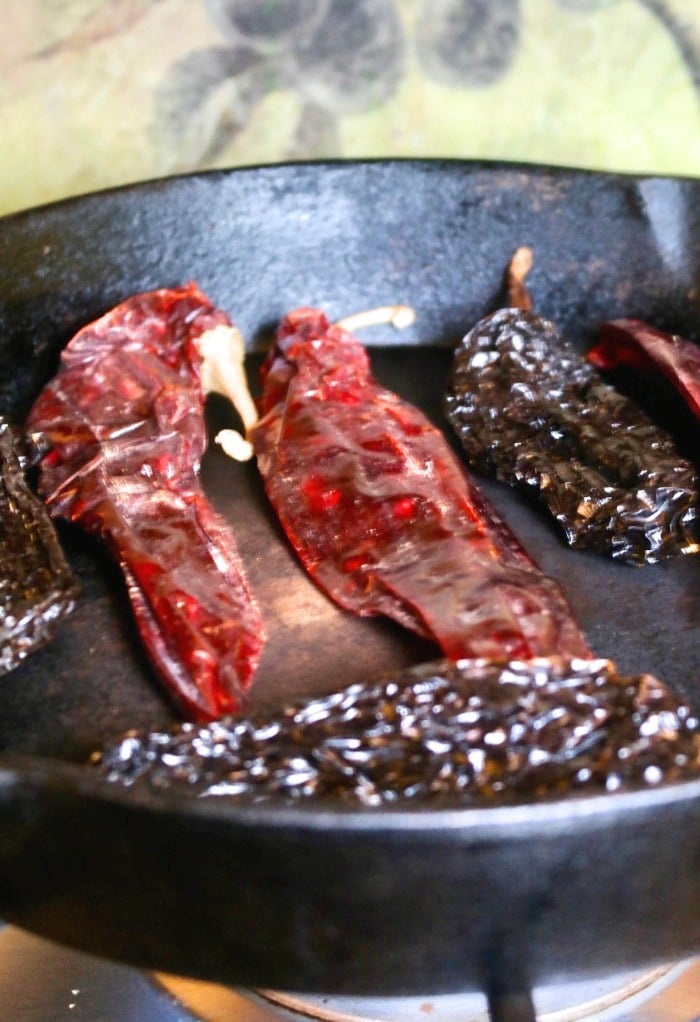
x=518, y=269
x=398, y=316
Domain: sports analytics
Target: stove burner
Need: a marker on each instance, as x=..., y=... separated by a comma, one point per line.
x=40, y=980
x=665, y=994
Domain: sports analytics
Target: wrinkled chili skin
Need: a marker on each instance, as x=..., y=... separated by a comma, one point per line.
x=630, y=342
x=382, y=515
x=120, y=430
x=37, y=587
x=452, y=734
x=532, y=412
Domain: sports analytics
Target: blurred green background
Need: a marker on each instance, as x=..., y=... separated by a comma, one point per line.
x=95, y=93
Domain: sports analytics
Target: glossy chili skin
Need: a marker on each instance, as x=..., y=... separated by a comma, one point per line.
x=532, y=412
x=382, y=515
x=441, y=733
x=120, y=430
x=630, y=342
x=37, y=587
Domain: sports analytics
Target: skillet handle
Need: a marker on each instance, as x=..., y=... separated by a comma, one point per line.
x=509, y=1006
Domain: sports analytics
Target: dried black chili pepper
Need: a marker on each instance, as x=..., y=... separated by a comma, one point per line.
x=381, y=513
x=121, y=432
x=629, y=342
x=531, y=411
x=37, y=587
x=468, y=733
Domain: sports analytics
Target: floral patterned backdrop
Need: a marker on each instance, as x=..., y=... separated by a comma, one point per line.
x=95, y=93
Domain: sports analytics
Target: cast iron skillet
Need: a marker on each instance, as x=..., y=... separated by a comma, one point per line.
x=313, y=898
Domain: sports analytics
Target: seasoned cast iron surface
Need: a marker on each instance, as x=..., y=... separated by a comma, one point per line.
x=360, y=901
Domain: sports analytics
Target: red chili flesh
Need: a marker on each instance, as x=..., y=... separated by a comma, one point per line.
x=630, y=342
x=381, y=513
x=121, y=430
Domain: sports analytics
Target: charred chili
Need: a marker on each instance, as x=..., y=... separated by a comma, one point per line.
x=467, y=733
x=532, y=412
x=37, y=587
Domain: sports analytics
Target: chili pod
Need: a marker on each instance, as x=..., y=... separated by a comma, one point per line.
x=120, y=431
x=37, y=587
x=381, y=513
x=476, y=732
x=629, y=342
x=532, y=412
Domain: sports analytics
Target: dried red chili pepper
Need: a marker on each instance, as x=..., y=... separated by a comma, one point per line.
x=121, y=431
x=381, y=513
x=630, y=342
x=532, y=412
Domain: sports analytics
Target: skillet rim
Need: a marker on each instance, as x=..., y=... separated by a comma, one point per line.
x=157, y=183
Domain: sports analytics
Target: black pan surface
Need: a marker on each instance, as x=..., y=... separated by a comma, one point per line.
x=313, y=898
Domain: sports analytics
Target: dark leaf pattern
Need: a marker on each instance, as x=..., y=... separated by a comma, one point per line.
x=270, y=25
x=467, y=42
x=342, y=58
x=207, y=98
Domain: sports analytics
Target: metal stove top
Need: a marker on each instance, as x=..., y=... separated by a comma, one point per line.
x=43, y=982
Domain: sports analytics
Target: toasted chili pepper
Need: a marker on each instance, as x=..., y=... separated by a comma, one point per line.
x=531, y=411
x=37, y=588
x=469, y=733
x=121, y=432
x=381, y=513
x=629, y=342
